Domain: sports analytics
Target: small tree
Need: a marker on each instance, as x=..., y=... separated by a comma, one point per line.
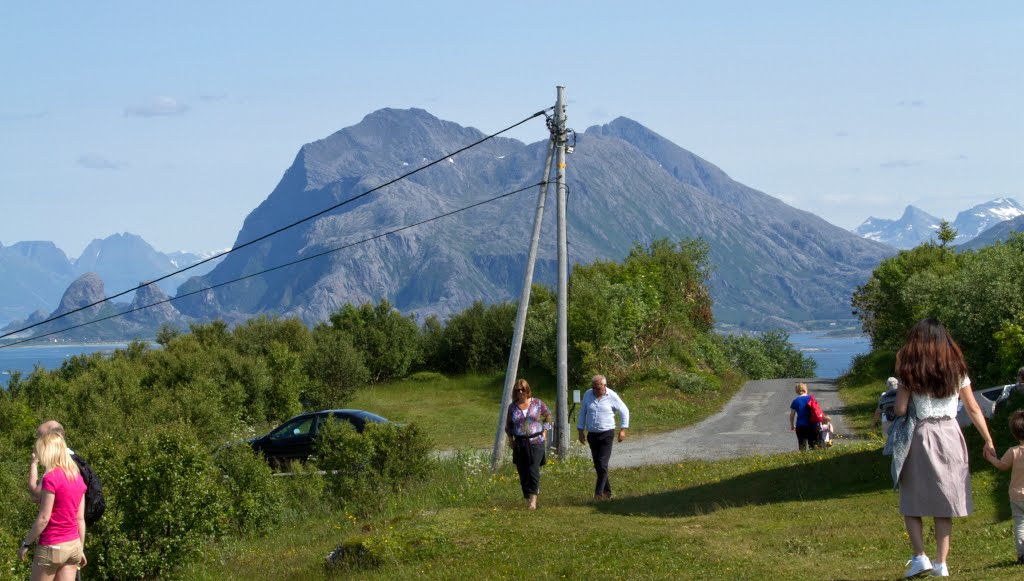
x=335, y=368
x=946, y=233
x=388, y=341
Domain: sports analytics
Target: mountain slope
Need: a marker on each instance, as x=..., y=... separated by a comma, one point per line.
x=34, y=275
x=997, y=233
x=911, y=229
x=627, y=184
x=971, y=223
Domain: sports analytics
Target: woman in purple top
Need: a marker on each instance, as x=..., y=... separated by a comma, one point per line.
x=526, y=425
x=60, y=526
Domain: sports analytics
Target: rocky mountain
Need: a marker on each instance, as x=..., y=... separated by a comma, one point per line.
x=917, y=226
x=911, y=229
x=88, y=289
x=33, y=275
x=971, y=223
x=773, y=263
x=998, y=233
x=122, y=260
x=36, y=274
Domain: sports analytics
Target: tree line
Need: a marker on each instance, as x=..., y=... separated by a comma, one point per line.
x=978, y=295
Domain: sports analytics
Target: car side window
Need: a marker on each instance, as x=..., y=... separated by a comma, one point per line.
x=356, y=421
x=295, y=429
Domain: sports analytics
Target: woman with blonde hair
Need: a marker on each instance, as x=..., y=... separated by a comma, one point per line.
x=800, y=421
x=526, y=424
x=932, y=472
x=60, y=526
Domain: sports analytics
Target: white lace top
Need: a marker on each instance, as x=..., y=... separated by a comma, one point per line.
x=938, y=407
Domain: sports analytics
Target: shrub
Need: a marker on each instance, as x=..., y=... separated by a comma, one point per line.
x=768, y=356
x=254, y=496
x=388, y=341
x=335, y=369
x=165, y=502
x=364, y=470
x=478, y=339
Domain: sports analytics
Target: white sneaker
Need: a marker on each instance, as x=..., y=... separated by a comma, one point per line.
x=940, y=570
x=918, y=565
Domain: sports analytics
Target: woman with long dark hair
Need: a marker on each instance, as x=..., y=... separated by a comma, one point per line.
x=934, y=479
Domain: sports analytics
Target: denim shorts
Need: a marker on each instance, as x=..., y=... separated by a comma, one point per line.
x=52, y=557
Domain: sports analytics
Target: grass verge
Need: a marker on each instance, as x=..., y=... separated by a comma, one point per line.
x=825, y=515
x=462, y=412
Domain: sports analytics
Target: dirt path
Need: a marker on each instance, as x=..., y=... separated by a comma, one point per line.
x=755, y=421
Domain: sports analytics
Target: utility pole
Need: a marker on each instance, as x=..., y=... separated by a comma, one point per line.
x=563, y=282
x=524, y=302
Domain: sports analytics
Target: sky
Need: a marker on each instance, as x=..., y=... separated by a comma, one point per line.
x=174, y=120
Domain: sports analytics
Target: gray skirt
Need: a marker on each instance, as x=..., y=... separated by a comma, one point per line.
x=935, y=480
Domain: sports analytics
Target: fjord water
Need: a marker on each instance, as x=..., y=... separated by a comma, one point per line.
x=25, y=359
x=832, y=354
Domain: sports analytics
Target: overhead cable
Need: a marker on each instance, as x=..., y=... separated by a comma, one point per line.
x=281, y=229
x=278, y=267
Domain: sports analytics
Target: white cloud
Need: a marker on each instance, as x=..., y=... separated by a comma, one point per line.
x=96, y=161
x=158, y=107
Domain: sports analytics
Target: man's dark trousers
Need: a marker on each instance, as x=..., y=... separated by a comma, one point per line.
x=601, y=450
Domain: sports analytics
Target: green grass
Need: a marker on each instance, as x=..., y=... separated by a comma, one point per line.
x=825, y=515
x=462, y=412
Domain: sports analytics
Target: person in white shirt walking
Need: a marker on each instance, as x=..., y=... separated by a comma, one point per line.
x=596, y=426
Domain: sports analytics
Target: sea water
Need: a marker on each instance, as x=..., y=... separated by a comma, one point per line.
x=25, y=359
x=832, y=354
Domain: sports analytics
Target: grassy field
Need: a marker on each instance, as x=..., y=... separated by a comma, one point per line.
x=462, y=412
x=825, y=515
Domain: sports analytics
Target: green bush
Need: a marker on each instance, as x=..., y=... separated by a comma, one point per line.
x=768, y=356
x=254, y=495
x=388, y=341
x=478, y=339
x=165, y=503
x=364, y=470
x=335, y=369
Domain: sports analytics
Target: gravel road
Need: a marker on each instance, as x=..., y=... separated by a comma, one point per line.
x=755, y=421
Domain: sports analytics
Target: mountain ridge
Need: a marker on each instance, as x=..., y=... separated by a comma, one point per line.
x=621, y=171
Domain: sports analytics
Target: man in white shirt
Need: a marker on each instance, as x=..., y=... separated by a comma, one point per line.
x=597, y=419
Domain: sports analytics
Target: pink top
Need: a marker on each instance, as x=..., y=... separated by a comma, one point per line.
x=67, y=496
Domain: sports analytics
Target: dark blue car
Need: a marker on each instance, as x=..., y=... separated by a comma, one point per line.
x=294, y=439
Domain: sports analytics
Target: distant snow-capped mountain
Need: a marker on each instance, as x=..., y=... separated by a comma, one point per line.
x=917, y=226
x=913, y=227
x=971, y=223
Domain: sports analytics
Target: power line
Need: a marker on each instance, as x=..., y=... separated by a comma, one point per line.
x=281, y=229
x=278, y=267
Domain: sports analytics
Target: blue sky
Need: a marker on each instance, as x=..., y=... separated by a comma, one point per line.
x=174, y=120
